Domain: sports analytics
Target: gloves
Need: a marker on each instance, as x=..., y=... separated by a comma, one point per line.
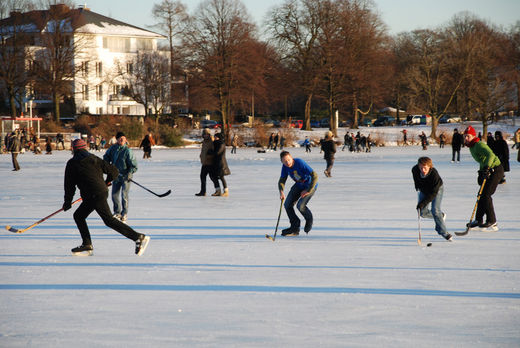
x=66, y=206
x=128, y=177
x=420, y=206
x=484, y=174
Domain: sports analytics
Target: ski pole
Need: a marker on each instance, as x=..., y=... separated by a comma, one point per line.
x=277, y=222
x=16, y=230
x=158, y=195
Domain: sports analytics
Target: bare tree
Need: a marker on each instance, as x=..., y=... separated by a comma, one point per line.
x=295, y=27
x=148, y=82
x=59, y=47
x=220, y=39
x=171, y=17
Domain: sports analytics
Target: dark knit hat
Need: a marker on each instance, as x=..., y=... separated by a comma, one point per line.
x=470, y=130
x=79, y=144
x=119, y=135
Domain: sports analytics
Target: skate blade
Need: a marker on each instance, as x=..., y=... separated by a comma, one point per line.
x=83, y=253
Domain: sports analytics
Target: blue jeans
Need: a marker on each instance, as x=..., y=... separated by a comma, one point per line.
x=433, y=211
x=120, y=187
x=290, y=201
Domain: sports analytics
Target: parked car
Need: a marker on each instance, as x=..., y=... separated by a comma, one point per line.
x=346, y=123
x=384, y=121
x=418, y=119
x=324, y=123
x=297, y=124
x=272, y=123
x=209, y=124
x=315, y=124
x=450, y=119
x=367, y=122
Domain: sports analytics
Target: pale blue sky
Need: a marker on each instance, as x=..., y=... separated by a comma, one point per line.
x=399, y=15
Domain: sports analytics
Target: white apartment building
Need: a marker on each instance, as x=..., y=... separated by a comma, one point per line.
x=100, y=67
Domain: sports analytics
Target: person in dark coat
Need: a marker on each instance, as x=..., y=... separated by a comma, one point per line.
x=85, y=171
x=221, y=168
x=456, y=143
x=424, y=140
x=14, y=146
x=147, y=144
x=329, y=149
x=48, y=145
x=490, y=140
x=429, y=184
x=501, y=149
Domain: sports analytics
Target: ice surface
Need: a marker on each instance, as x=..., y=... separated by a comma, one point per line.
x=210, y=278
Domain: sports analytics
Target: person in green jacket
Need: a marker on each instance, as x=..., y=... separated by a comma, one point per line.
x=490, y=169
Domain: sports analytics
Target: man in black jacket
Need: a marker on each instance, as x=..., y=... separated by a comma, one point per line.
x=85, y=171
x=429, y=185
x=456, y=143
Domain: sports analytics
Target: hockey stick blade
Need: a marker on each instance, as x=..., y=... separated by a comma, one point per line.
x=12, y=229
x=165, y=194
x=269, y=237
x=462, y=233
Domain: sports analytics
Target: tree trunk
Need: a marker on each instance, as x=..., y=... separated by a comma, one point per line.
x=307, y=122
x=435, y=121
x=56, y=107
x=13, y=105
x=355, y=107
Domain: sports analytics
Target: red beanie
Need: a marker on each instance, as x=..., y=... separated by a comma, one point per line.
x=79, y=144
x=470, y=130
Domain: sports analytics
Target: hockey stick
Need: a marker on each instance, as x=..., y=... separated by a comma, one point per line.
x=419, y=223
x=277, y=222
x=158, y=195
x=474, y=210
x=419, y=241
x=16, y=230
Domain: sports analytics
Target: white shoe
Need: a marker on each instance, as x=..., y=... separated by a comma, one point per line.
x=124, y=218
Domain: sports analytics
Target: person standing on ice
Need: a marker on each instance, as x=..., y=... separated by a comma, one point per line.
x=220, y=168
x=206, y=159
x=456, y=143
x=328, y=147
x=429, y=184
x=85, y=171
x=490, y=169
x=123, y=158
x=501, y=149
x=306, y=183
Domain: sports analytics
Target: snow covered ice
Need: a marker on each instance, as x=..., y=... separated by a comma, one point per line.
x=210, y=278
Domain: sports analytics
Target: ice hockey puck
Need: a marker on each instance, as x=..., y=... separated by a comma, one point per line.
x=429, y=244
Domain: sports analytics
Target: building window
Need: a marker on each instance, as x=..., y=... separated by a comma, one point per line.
x=130, y=68
x=99, y=69
x=116, y=44
x=85, y=92
x=84, y=68
x=99, y=111
x=99, y=92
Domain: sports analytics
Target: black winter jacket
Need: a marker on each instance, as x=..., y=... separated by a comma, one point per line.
x=329, y=148
x=429, y=185
x=85, y=171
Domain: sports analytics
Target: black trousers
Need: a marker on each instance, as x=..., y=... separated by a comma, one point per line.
x=14, y=159
x=100, y=205
x=204, y=171
x=330, y=163
x=485, y=204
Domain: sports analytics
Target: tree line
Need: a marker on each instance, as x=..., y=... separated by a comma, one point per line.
x=312, y=56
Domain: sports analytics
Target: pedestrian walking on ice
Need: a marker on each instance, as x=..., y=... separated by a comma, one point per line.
x=328, y=147
x=306, y=183
x=85, y=171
